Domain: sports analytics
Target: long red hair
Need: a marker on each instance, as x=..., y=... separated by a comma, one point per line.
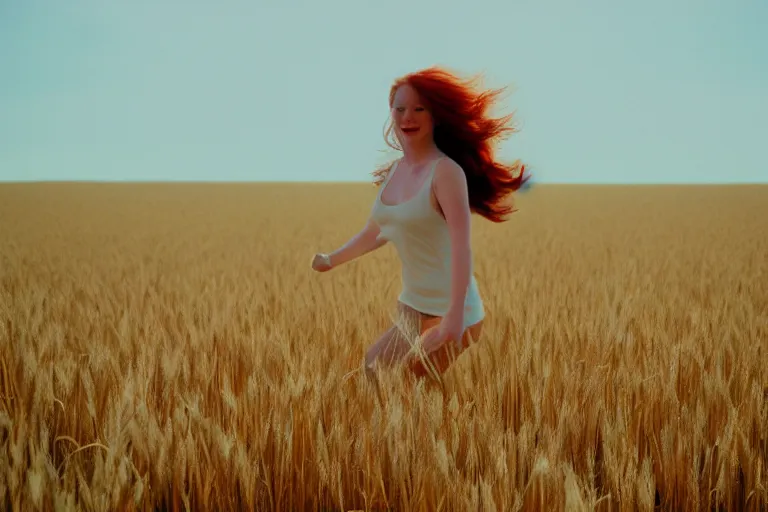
x=467, y=134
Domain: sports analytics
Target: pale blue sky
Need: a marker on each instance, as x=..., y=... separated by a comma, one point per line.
x=605, y=91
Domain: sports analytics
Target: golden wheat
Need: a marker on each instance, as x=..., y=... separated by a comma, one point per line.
x=167, y=346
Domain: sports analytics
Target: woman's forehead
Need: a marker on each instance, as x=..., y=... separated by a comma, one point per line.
x=406, y=94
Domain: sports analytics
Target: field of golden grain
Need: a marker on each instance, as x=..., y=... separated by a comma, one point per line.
x=167, y=346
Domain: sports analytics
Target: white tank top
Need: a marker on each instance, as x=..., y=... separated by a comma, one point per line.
x=420, y=236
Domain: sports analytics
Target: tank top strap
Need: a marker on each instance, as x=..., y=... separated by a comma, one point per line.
x=434, y=166
x=427, y=187
x=386, y=179
x=392, y=169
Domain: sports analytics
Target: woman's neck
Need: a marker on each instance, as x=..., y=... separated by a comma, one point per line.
x=417, y=154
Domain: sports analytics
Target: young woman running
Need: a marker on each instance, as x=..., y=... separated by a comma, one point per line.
x=423, y=207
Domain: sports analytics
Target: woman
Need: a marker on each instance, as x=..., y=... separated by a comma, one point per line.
x=423, y=207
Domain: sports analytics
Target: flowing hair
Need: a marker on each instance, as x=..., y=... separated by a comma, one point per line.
x=467, y=134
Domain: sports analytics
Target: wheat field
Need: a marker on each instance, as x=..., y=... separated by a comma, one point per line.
x=166, y=347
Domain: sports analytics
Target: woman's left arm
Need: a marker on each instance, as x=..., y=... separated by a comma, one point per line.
x=453, y=197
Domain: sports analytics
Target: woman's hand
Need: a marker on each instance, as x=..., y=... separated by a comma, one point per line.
x=450, y=328
x=321, y=263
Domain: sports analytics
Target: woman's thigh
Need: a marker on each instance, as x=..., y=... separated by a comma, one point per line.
x=442, y=358
x=394, y=344
x=391, y=346
x=388, y=348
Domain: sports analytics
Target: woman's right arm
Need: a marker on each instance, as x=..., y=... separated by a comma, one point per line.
x=362, y=243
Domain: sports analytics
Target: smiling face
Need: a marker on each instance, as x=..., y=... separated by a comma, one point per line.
x=412, y=121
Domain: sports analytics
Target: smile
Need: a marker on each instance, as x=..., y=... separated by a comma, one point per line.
x=410, y=131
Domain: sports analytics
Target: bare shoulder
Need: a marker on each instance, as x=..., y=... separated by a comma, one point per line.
x=450, y=189
x=449, y=174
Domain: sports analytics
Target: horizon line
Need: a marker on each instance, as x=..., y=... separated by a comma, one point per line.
x=349, y=182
